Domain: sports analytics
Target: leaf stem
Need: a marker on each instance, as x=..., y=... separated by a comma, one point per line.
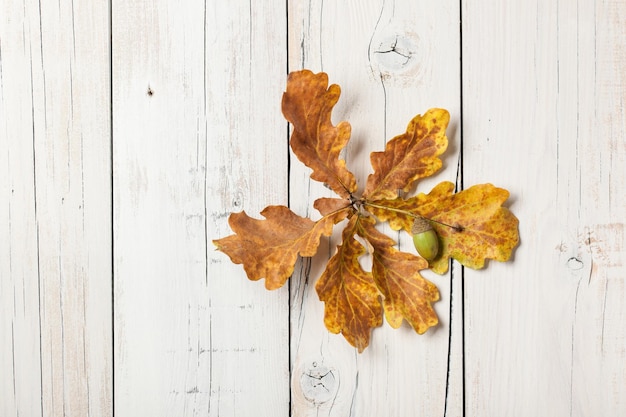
x=458, y=228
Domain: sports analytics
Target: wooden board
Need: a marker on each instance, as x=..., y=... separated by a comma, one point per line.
x=543, y=112
x=194, y=139
x=129, y=131
x=55, y=215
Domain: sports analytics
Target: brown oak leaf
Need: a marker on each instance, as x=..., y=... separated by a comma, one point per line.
x=326, y=205
x=269, y=248
x=409, y=156
x=352, y=301
x=307, y=104
x=481, y=228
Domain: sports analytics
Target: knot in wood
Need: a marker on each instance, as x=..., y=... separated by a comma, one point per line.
x=395, y=52
x=318, y=383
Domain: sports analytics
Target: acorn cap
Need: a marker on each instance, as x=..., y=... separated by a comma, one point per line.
x=420, y=225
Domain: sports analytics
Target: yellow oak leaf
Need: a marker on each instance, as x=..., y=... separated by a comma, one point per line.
x=406, y=294
x=352, y=301
x=409, y=156
x=472, y=225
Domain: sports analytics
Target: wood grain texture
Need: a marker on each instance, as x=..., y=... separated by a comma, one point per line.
x=544, y=117
x=197, y=135
x=55, y=227
x=136, y=314
x=393, y=60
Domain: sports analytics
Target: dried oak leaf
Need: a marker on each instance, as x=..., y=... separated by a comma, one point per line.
x=326, y=205
x=269, y=248
x=409, y=156
x=483, y=229
x=352, y=301
x=406, y=294
x=307, y=104
x=352, y=295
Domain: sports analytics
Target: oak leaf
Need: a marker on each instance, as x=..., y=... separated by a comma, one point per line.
x=472, y=225
x=352, y=300
x=406, y=294
x=352, y=295
x=409, y=156
x=307, y=104
x=326, y=205
x=269, y=248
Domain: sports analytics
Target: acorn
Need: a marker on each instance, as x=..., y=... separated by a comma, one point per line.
x=425, y=239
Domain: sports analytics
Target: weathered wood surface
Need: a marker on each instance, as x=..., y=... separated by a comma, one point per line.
x=197, y=134
x=544, y=115
x=55, y=211
x=130, y=131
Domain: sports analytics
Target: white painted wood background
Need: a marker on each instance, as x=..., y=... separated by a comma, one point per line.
x=129, y=131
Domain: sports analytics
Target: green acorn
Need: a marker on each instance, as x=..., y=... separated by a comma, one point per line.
x=425, y=239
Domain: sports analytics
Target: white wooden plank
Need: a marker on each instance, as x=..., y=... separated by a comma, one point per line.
x=393, y=60
x=544, y=116
x=20, y=379
x=55, y=273
x=198, y=134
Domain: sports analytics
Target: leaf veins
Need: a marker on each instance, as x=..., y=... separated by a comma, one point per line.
x=352, y=301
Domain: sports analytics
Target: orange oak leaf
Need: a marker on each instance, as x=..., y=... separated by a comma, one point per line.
x=409, y=156
x=352, y=301
x=407, y=295
x=482, y=228
x=307, y=104
x=269, y=248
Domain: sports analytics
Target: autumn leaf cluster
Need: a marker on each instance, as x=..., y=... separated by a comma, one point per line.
x=471, y=225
